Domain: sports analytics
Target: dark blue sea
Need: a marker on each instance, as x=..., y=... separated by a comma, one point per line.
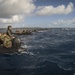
x=49, y=52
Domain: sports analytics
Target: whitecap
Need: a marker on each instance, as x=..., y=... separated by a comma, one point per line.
x=25, y=52
x=24, y=46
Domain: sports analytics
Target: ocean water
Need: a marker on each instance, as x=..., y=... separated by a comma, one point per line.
x=49, y=52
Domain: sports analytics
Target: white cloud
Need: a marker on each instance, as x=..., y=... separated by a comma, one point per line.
x=14, y=19
x=50, y=10
x=64, y=22
x=14, y=10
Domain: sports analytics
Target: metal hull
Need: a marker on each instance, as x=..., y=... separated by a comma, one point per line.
x=23, y=33
x=8, y=50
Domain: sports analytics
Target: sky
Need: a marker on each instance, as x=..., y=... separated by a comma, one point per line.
x=37, y=13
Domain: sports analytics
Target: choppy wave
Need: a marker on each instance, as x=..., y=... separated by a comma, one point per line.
x=48, y=53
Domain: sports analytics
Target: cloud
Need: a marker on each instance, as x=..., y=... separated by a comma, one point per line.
x=50, y=10
x=64, y=22
x=14, y=10
x=14, y=19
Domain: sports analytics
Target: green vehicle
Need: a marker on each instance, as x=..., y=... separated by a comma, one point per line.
x=10, y=46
